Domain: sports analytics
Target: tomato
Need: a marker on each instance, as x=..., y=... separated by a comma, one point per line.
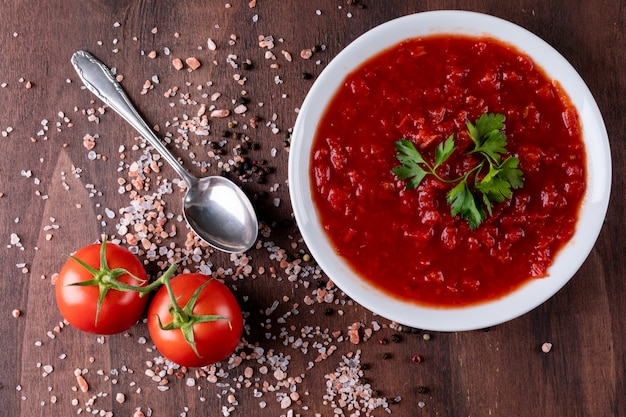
x=195, y=320
x=95, y=293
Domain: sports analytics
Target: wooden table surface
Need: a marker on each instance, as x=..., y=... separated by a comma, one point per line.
x=69, y=169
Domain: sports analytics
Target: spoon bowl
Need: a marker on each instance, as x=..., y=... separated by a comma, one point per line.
x=215, y=208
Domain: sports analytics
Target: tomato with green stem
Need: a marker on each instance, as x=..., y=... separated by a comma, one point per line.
x=99, y=289
x=194, y=320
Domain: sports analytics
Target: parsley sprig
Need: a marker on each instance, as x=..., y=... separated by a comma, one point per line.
x=477, y=190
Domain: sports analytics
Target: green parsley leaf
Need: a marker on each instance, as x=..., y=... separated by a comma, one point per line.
x=410, y=169
x=470, y=203
x=463, y=203
x=487, y=124
x=407, y=152
x=494, y=186
x=510, y=172
x=488, y=137
x=444, y=150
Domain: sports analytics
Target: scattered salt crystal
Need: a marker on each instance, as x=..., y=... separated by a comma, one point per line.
x=272, y=308
x=15, y=239
x=285, y=402
x=279, y=374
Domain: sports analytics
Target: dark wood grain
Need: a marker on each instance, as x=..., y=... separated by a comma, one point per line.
x=54, y=210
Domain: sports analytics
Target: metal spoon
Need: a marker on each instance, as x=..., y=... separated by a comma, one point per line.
x=215, y=208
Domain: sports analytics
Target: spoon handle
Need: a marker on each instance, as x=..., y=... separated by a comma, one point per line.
x=101, y=81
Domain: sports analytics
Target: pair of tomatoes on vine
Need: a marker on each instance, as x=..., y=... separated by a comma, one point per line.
x=194, y=320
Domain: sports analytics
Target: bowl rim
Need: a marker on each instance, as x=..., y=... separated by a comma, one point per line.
x=592, y=212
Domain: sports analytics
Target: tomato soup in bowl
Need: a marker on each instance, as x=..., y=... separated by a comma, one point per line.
x=449, y=170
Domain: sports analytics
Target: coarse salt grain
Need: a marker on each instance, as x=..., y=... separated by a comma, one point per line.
x=285, y=402
x=177, y=63
x=82, y=383
x=220, y=113
x=193, y=63
x=279, y=374
x=15, y=239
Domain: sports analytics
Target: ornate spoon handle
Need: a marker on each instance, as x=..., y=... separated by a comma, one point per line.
x=100, y=81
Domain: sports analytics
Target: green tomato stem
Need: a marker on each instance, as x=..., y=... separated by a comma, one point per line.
x=183, y=318
x=157, y=283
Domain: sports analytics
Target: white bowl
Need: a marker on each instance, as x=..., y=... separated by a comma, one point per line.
x=591, y=215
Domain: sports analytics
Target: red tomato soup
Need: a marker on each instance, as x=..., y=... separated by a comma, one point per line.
x=405, y=241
